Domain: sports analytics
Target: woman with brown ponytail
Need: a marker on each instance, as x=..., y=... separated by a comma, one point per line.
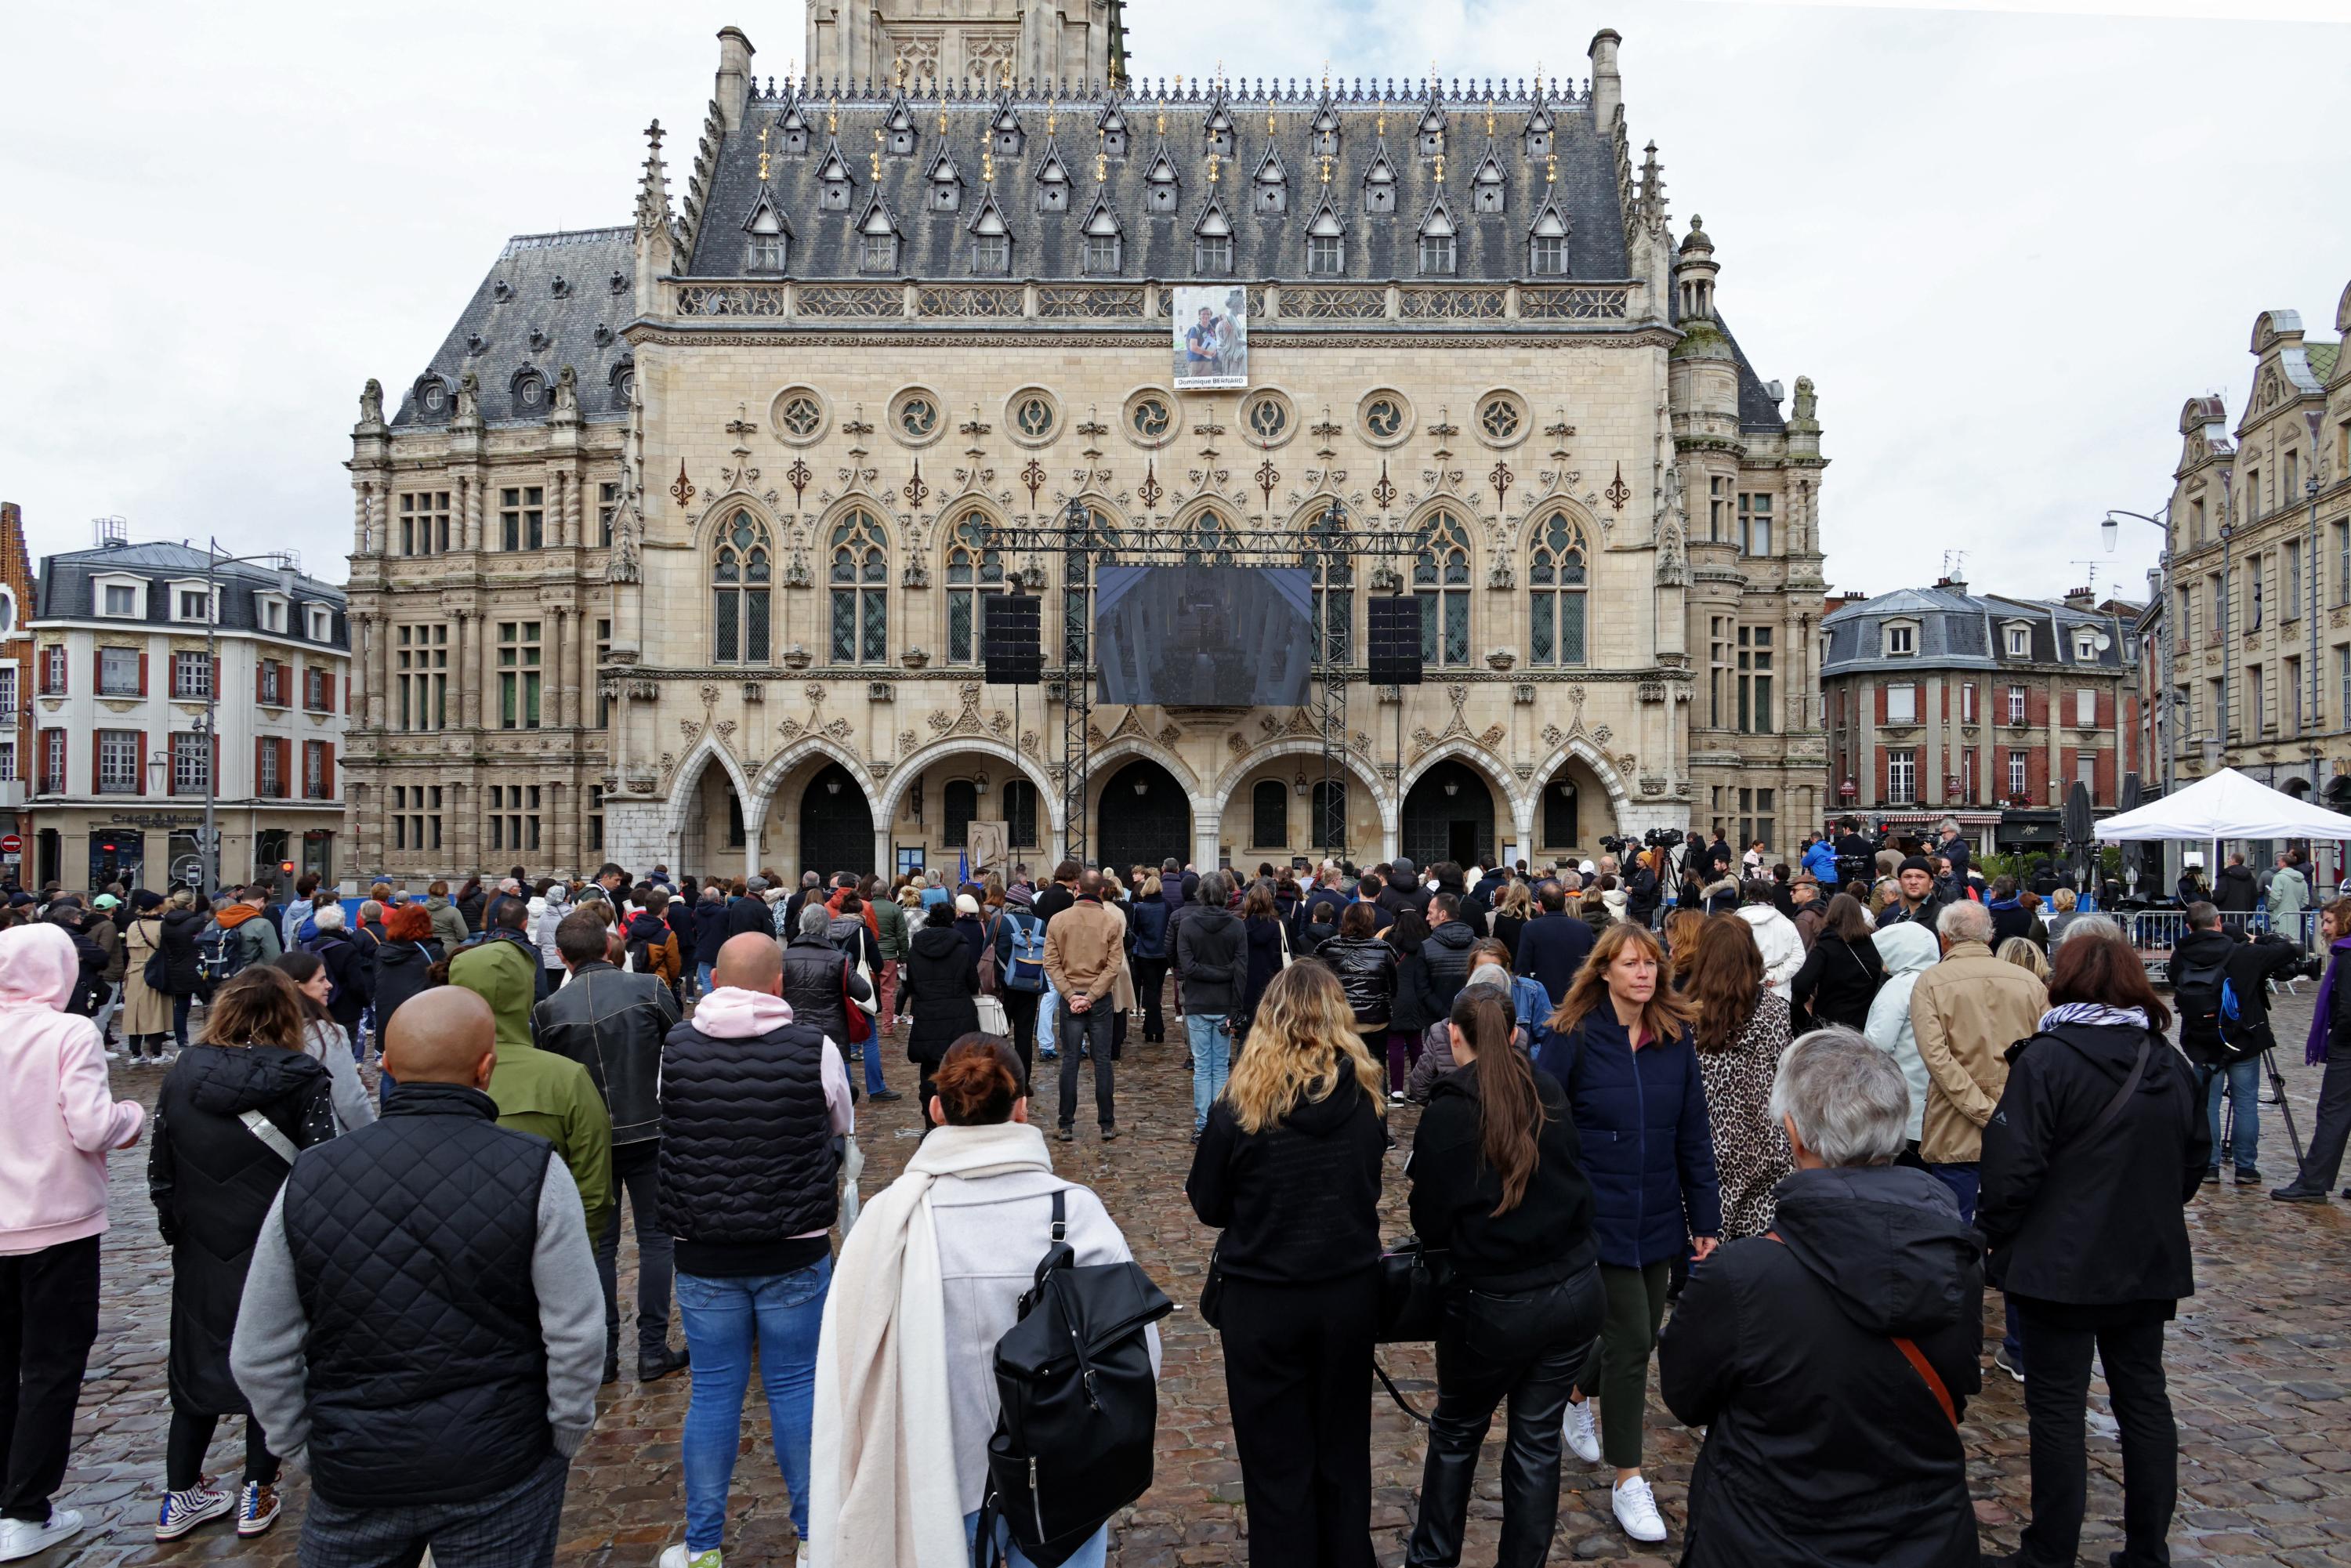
x=1498, y=1187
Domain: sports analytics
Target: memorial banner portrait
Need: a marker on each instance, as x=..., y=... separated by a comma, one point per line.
x=1211, y=335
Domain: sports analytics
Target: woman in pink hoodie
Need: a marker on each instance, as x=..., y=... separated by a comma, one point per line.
x=57, y=1123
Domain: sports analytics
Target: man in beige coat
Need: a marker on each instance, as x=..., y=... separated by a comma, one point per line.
x=1085, y=954
x=1966, y=1012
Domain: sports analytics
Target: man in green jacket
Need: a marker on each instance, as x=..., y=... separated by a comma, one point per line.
x=537, y=1091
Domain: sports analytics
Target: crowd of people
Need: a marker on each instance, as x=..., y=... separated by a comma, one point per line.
x=1809, y=1113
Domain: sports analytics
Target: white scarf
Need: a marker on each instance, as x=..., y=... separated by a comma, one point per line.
x=882, y=1488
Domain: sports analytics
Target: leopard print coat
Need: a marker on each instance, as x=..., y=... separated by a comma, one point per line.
x=1750, y=1150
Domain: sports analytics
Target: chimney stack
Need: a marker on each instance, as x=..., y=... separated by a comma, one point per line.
x=1607, y=87
x=734, y=87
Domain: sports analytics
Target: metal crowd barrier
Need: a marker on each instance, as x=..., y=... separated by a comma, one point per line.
x=2156, y=932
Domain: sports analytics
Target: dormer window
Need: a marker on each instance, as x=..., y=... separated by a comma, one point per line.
x=1432, y=130
x=1901, y=640
x=1111, y=131
x=1004, y=131
x=1212, y=244
x=791, y=134
x=1219, y=128
x=2085, y=646
x=833, y=191
x=1379, y=183
x=946, y=185
x=991, y=245
x=877, y=242
x=1547, y=244
x=1540, y=128
x=1272, y=186
x=1486, y=187
x=765, y=246
x=1325, y=131
x=322, y=625
x=1436, y=243
x=1103, y=239
x=1160, y=189
x=272, y=614
x=1326, y=245
x=898, y=130
x=119, y=600
x=191, y=604
x=2019, y=641
x=1053, y=184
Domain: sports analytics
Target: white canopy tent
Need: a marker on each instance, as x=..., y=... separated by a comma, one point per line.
x=2228, y=805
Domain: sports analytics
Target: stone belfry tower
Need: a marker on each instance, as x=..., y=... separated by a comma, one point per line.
x=971, y=45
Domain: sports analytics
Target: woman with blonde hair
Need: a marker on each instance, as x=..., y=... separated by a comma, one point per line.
x=1289, y=1169
x=1682, y=927
x=1620, y=1046
x=2026, y=954
x=1511, y=916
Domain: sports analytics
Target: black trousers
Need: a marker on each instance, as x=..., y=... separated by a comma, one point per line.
x=1092, y=1030
x=515, y=1527
x=2056, y=1392
x=1298, y=1378
x=2323, y=1163
x=1526, y=1347
x=184, y=1452
x=633, y=1168
x=48, y=1318
x=1150, y=979
x=1020, y=1010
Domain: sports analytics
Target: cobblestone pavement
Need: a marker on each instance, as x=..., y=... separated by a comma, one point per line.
x=2256, y=1363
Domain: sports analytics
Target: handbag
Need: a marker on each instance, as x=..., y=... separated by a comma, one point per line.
x=156, y=973
x=860, y=1023
x=1412, y=1292
x=993, y=1020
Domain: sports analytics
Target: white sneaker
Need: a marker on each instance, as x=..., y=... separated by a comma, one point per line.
x=1581, y=1432
x=677, y=1556
x=23, y=1538
x=1637, y=1509
x=802, y=1560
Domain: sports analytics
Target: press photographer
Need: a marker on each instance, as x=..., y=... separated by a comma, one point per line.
x=2220, y=981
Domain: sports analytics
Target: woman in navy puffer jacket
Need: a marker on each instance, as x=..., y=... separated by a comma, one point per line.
x=1620, y=1046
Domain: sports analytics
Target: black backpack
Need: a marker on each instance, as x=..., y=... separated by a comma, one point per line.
x=1073, y=1443
x=2196, y=991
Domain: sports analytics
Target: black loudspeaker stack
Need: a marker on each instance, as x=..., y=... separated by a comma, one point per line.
x=1009, y=645
x=1394, y=640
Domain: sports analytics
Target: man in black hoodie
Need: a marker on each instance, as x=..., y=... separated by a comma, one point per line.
x=1823, y=1445
x=1211, y=964
x=2234, y=891
x=2228, y=1051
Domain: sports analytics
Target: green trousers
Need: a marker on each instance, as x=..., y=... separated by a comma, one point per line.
x=1618, y=1367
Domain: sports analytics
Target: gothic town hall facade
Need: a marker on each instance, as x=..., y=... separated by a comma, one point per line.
x=678, y=547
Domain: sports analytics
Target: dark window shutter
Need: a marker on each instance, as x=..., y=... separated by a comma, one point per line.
x=142, y=672
x=139, y=769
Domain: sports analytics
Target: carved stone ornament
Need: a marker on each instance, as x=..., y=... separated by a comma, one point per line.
x=916, y=574
x=1501, y=658
x=1649, y=691
x=881, y=691
x=1500, y=573
x=915, y=658
x=796, y=657
x=1523, y=693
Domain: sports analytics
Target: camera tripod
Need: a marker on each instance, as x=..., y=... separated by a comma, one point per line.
x=2285, y=1112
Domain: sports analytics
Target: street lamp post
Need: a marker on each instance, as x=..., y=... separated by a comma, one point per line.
x=2111, y=531
x=214, y=561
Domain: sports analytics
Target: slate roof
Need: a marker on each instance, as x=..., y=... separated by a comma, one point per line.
x=65, y=591
x=1492, y=246
x=1958, y=629
x=549, y=300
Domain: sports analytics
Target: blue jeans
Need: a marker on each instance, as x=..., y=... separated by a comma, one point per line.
x=2243, y=1081
x=872, y=1050
x=702, y=973
x=1965, y=1181
x=1212, y=1058
x=1093, y=1554
x=722, y=1318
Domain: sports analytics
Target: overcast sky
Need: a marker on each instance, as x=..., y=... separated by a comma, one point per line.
x=2006, y=246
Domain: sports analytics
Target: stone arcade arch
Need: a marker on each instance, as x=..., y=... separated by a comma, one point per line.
x=1455, y=813
x=698, y=817
x=1363, y=784
x=1141, y=816
x=959, y=754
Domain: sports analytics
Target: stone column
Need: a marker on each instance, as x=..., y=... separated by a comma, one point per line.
x=558, y=685
x=1930, y=696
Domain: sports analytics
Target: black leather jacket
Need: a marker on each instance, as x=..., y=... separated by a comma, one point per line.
x=1367, y=971
x=613, y=1024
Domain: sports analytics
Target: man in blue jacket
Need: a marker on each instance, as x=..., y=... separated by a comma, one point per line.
x=1554, y=943
x=1820, y=860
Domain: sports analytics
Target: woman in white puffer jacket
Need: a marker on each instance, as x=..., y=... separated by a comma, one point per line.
x=1910, y=950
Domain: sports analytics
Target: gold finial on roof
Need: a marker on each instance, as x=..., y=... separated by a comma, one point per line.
x=1051, y=119
x=1551, y=169
x=1163, y=109
x=898, y=69
x=1440, y=168
x=1326, y=168
x=987, y=167
x=831, y=115
x=1489, y=120
x=1384, y=117
x=1102, y=167
x=1326, y=79
x=1212, y=168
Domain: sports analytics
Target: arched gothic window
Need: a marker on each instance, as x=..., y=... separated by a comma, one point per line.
x=960, y=803
x=975, y=572
x=1020, y=798
x=1334, y=586
x=1212, y=541
x=1560, y=802
x=741, y=569
x=860, y=578
x=1440, y=580
x=1077, y=590
x=1270, y=815
x=1557, y=580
